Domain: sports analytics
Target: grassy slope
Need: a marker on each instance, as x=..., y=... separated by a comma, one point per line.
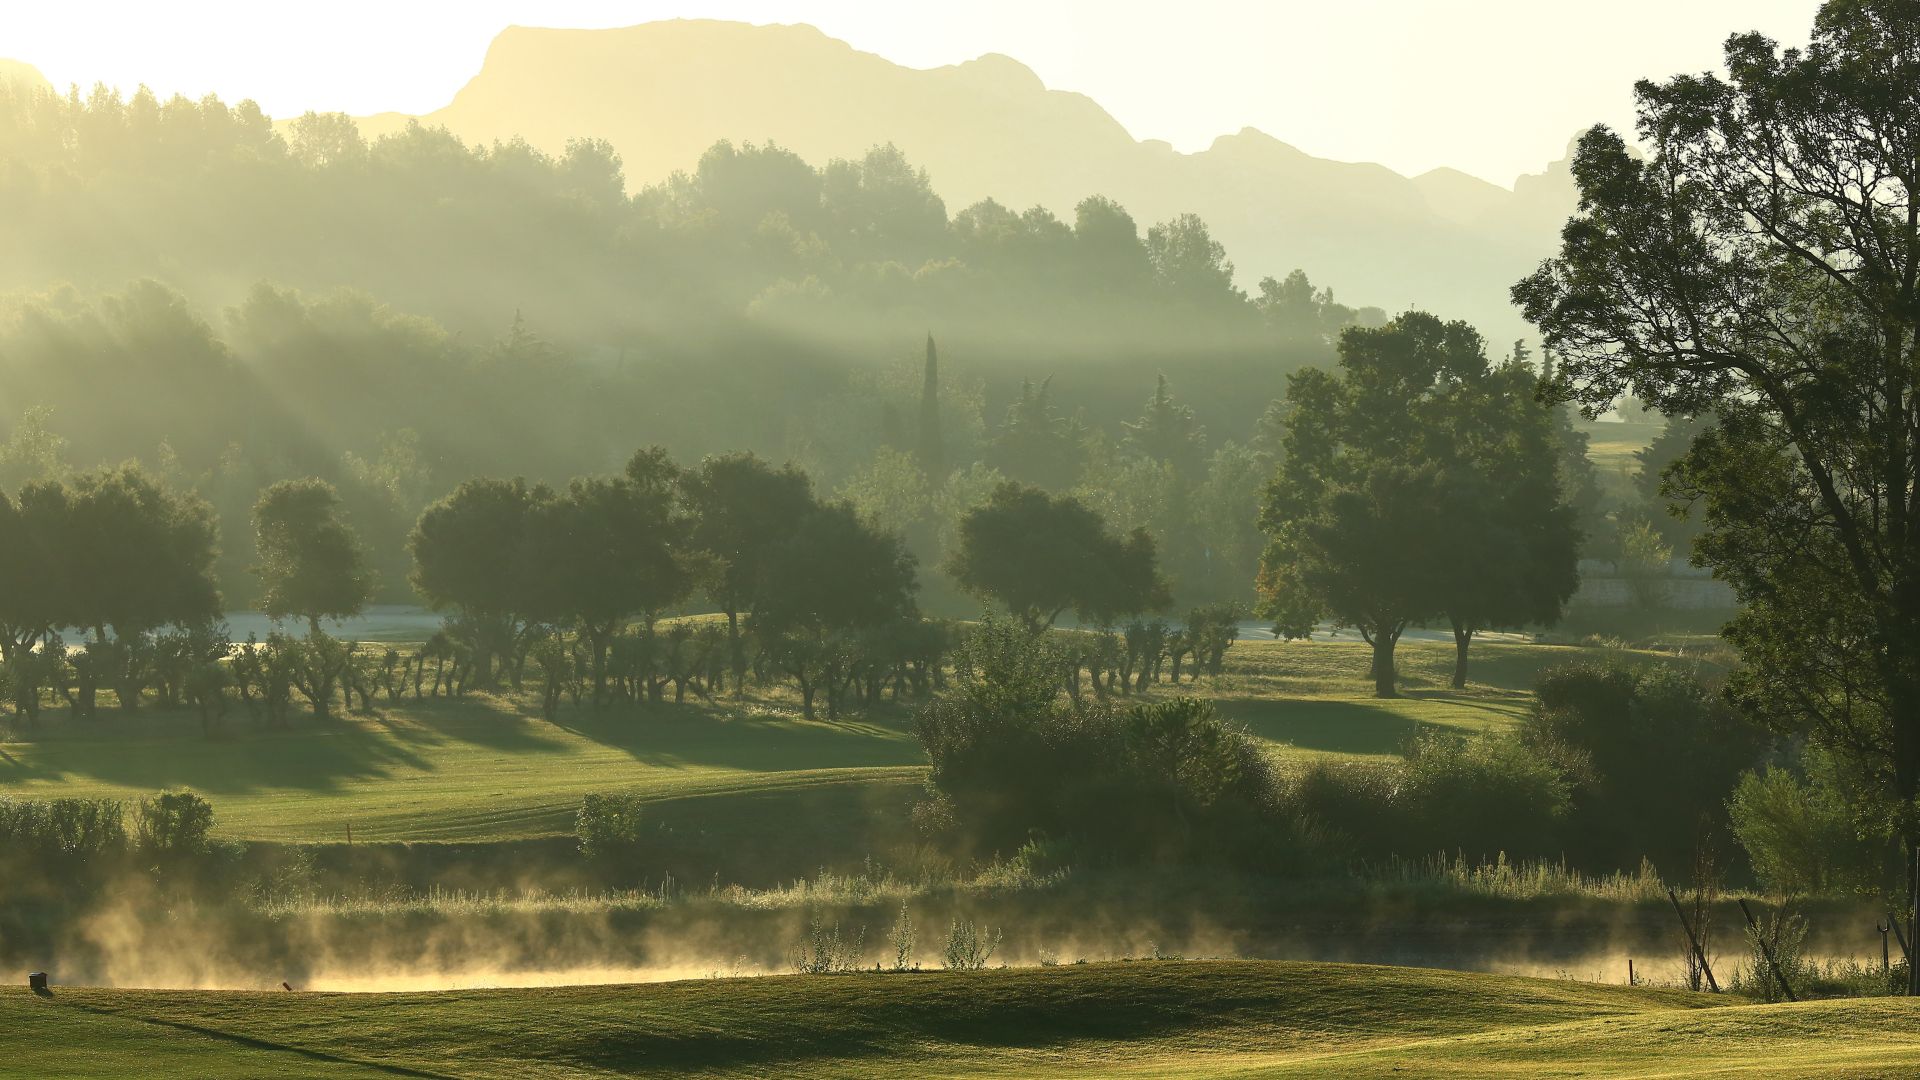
x=1165, y=1018
x=487, y=769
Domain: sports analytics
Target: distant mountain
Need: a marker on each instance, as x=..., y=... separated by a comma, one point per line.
x=663, y=92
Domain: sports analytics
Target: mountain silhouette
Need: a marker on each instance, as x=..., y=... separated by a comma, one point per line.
x=663, y=92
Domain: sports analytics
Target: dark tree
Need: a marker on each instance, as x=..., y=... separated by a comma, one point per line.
x=1167, y=432
x=1040, y=555
x=141, y=556
x=1510, y=541
x=743, y=509
x=832, y=577
x=472, y=553
x=1764, y=265
x=1418, y=482
x=1036, y=444
x=609, y=549
x=932, y=445
x=310, y=562
x=34, y=574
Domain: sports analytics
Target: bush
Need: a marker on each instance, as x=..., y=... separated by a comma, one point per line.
x=1012, y=758
x=608, y=827
x=968, y=948
x=1801, y=834
x=1652, y=754
x=1480, y=796
x=71, y=829
x=825, y=951
x=173, y=823
x=1356, y=801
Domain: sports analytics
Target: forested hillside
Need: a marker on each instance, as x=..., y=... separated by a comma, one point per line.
x=233, y=306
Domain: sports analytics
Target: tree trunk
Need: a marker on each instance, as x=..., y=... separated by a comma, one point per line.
x=738, y=653
x=1384, y=639
x=1462, y=638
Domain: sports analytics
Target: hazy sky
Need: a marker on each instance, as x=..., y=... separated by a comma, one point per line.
x=1492, y=87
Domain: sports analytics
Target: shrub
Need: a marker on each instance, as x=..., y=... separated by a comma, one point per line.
x=77, y=829
x=1652, y=754
x=903, y=940
x=1354, y=800
x=608, y=826
x=1482, y=795
x=173, y=823
x=824, y=951
x=968, y=949
x=1800, y=834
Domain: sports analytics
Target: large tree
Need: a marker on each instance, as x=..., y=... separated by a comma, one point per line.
x=473, y=552
x=831, y=577
x=1508, y=535
x=1417, y=482
x=1040, y=555
x=608, y=549
x=743, y=509
x=139, y=554
x=311, y=563
x=1764, y=264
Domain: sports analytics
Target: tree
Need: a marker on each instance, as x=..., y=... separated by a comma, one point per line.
x=311, y=564
x=1167, y=432
x=608, y=549
x=1040, y=555
x=471, y=552
x=1678, y=523
x=34, y=595
x=832, y=577
x=1419, y=482
x=743, y=509
x=1036, y=444
x=1764, y=265
x=1188, y=262
x=932, y=445
x=1510, y=539
x=133, y=556
x=141, y=555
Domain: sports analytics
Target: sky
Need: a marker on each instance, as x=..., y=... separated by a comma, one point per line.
x=1494, y=88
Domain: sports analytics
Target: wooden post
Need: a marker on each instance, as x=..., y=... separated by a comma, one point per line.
x=1767, y=952
x=1694, y=941
x=1631, y=981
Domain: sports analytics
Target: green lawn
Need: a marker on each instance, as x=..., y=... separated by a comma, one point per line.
x=474, y=770
x=490, y=768
x=1145, y=1019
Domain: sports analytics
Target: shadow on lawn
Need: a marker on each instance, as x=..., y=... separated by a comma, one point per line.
x=1336, y=727
x=744, y=736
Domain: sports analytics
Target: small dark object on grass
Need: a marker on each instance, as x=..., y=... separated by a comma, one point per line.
x=287, y=988
x=37, y=982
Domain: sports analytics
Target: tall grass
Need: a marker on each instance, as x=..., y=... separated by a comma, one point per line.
x=1513, y=880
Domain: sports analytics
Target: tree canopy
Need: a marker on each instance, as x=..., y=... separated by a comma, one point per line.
x=1764, y=265
x=1420, y=481
x=1040, y=555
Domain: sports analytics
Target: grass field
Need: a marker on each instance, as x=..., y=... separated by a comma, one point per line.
x=489, y=768
x=1145, y=1019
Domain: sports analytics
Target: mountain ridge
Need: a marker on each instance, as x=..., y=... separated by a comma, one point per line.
x=663, y=92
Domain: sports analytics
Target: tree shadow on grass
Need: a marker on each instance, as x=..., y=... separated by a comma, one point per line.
x=1335, y=727
x=667, y=735
x=307, y=756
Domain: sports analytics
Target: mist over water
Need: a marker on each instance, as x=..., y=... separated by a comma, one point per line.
x=124, y=945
